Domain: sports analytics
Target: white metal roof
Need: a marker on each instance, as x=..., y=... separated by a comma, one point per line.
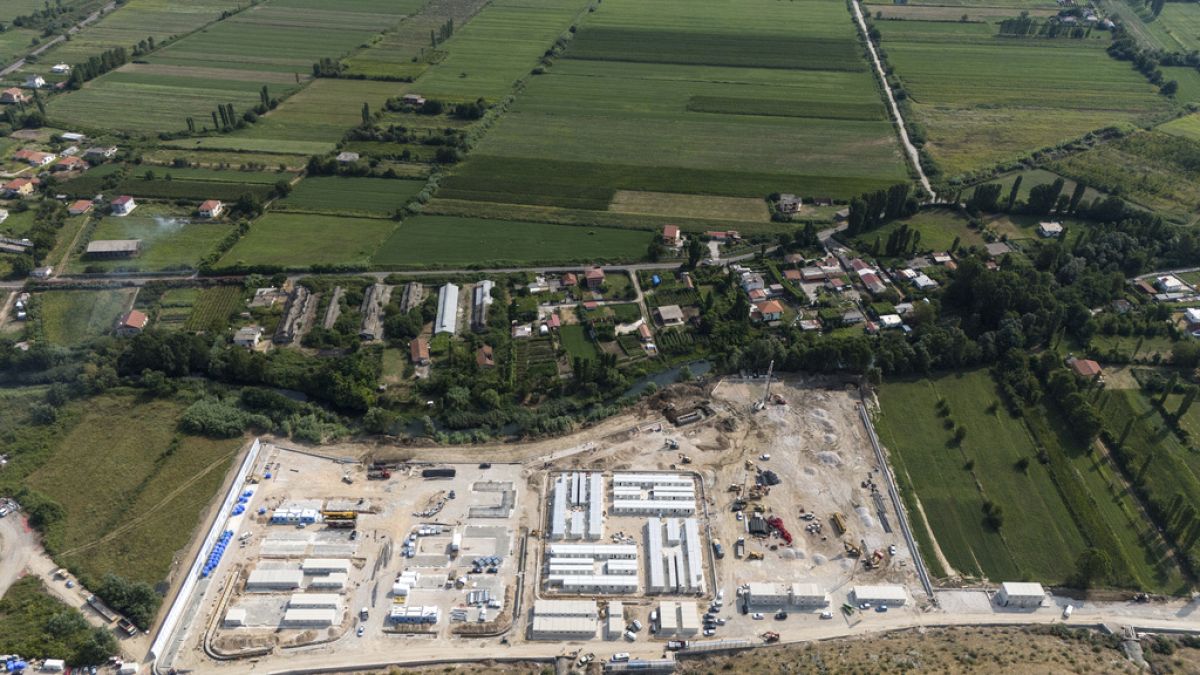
x=598, y=551
x=1022, y=589
x=565, y=608
x=447, y=314
x=884, y=593
x=326, y=564
x=695, y=553
x=557, y=625
x=668, y=616
x=274, y=577
x=807, y=591
x=315, y=600
x=664, y=505
x=654, y=555
x=310, y=616
x=689, y=616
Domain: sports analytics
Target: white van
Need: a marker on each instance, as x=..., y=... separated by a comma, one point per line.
x=620, y=657
x=1067, y=611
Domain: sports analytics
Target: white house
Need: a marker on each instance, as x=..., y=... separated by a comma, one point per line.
x=1050, y=230
x=1020, y=594
x=123, y=205
x=35, y=82
x=248, y=337
x=211, y=208
x=60, y=69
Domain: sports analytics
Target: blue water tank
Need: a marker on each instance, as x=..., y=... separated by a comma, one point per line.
x=654, y=280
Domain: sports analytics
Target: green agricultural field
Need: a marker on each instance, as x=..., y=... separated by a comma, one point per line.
x=169, y=241
x=72, y=317
x=300, y=149
x=1187, y=126
x=15, y=42
x=350, y=196
x=273, y=44
x=448, y=240
x=211, y=158
x=982, y=100
x=199, y=190
x=300, y=240
x=130, y=508
x=575, y=340
x=1156, y=170
x=497, y=47
x=213, y=308
x=633, y=105
x=1032, y=178
x=405, y=50
x=314, y=119
x=939, y=229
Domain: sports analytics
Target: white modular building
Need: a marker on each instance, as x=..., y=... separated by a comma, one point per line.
x=766, y=595
x=564, y=620
x=577, y=525
x=672, y=494
x=447, y=310
x=655, y=574
x=678, y=619
x=1020, y=594
x=585, y=608
x=595, y=583
x=596, y=551
x=274, y=580
x=558, y=508
x=327, y=600
x=235, y=617
x=572, y=570
x=596, y=507
x=695, y=554
x=807, y=595
x=673, y=532
x=309, y=618
x=331, y=582
x=649, y=480
x=314, y=566
x=614, y=625
x=621, y=566
x=664, y=507
x=890, y=595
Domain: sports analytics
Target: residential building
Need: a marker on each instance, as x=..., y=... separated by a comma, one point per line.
x=418, y=350
x=13, y=95
x=35, y=82
x=671, y=236
x=788, y=204
x=70, y=164
x=644, y=333
x=101, y=152
x=924, y=283
x=794, y=276
x=768, y=311
x=1192, y=316
x=1050, y=230
x=1085, y=368
x=873, y=283
x=210, y=208
x=347, y=157
x=113, y=248
x=569, y=279
x=248, y=337
x=34, y=157
x=594, y=278
x=20, y=187
x=123, y=205
x=132, y=323
x=1170, y=284
x=42, y=272
x=669, y=315
x=485, y=357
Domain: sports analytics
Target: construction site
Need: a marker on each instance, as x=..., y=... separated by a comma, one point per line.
x=708, y=515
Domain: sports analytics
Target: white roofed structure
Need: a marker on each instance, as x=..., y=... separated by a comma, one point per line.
x=447, y=310
x=890, y=595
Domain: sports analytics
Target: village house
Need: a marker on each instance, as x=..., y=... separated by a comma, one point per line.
x=594, y=278
x=13, y=95
x=1085, y=368
x=669, y=315
x=347, y=157
x=758, y=295
x=80, y=207
x=812, y=274
x=123, y=205
x=768, y=311
x=644, y=333
x=70, y=164
x=1192, y=316
x=671, y=236
x=248, y=337
x=1169, y=284
x=210, y=209
x=35, y=82
x=132, y=323
x=34, y=157
x=1050, y=230
x=924, y=283
x=414, y=100
x=793, y=276
x=20, y=187
x=41, y=272
x=788, y=204
x=60, y=69
x=101, y=152
x=873, y=283
x=723, y=235
x=418, y=350
x=484, y=357
x=752, y=281
x=569, y=280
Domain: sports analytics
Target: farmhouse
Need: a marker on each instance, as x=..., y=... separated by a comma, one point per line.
x=80, y=207
x=1020, y=594
x=418, y=350
x=873, y=283
x=13, y=95
x=123, y=205
x=594, y=278
x=70, y=164
x=20, y=187
x=1085, y=368
x=788, y=204
x=1170, y=284
x=34, y=157
x=768, y=311
x=35, y=82
x=101, y=152
x=415, y=100
x=211, y=208
x=669, y=315
x=724, y=235
x=924, y=283
x=1050, y=230
x=671, y=236
x=60, y=69
x=347, y=157
x=1192, y=316
x=248, y=337
x=113, y=248
x=132, y=323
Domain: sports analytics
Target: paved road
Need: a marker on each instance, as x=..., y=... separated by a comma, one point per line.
x=16, y=65
x=913, y=156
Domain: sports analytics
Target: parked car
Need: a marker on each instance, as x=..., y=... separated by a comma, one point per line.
x=361, y=629
x=757, y=616
x=827, y=614
x=781, y=615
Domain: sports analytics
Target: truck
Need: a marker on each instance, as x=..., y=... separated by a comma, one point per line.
x=364, y=613
x=676, y=645
x=379, y=474
x=839, y=523
x=102, y=609
x=455, y=543
x=718, y=550
x=127, y=627
x=770, y=637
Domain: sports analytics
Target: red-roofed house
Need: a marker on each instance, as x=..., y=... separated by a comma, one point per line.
x=20, y=187
x=34, y=157
x=80, y=207
x=70, y=164
x=793, y=275
x=418, y=350
x=644, y=333
x=132, y=323
x=484, y=358
x=770, y=310
x=210, y=208
x=123, y=205
x=13, y=95
x=671, y=236
x=873, y=283
x=1085, y=368
x=594, y=278
x=554, y=322
x=569, y=279
x=758, y=295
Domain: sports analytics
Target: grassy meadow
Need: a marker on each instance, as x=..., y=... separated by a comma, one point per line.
x=405, y=51
x=1052, y=510
x=170, y=241
x=70, y=318
x=130, y=508
x=350, y=196
x=447, y=240
x=983, y=100
x=635, y=104
x=301, y=240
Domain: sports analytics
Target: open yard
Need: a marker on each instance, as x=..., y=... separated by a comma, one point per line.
x=351, y=196
x=939, y=230
x=738, y=101
x=1052, y=509
x=448, y=240
x=130, y=508
x=981, y=99
x=301, y=240
x=170, y=241
x=72, y=317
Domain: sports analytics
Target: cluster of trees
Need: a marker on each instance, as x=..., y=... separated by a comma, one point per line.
x=327, y=67
x=1027, y=26
x=1125, y=47
x=145, y=46
x=95, y=66
x=875, y=208
x=47, y=628
x=444, y=32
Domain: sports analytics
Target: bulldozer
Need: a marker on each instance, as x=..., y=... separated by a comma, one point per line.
x=852, y=550
x=734, y=487
x=754, y=555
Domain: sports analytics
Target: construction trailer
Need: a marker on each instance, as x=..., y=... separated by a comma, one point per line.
x=890, y=595
x=1020, y=594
